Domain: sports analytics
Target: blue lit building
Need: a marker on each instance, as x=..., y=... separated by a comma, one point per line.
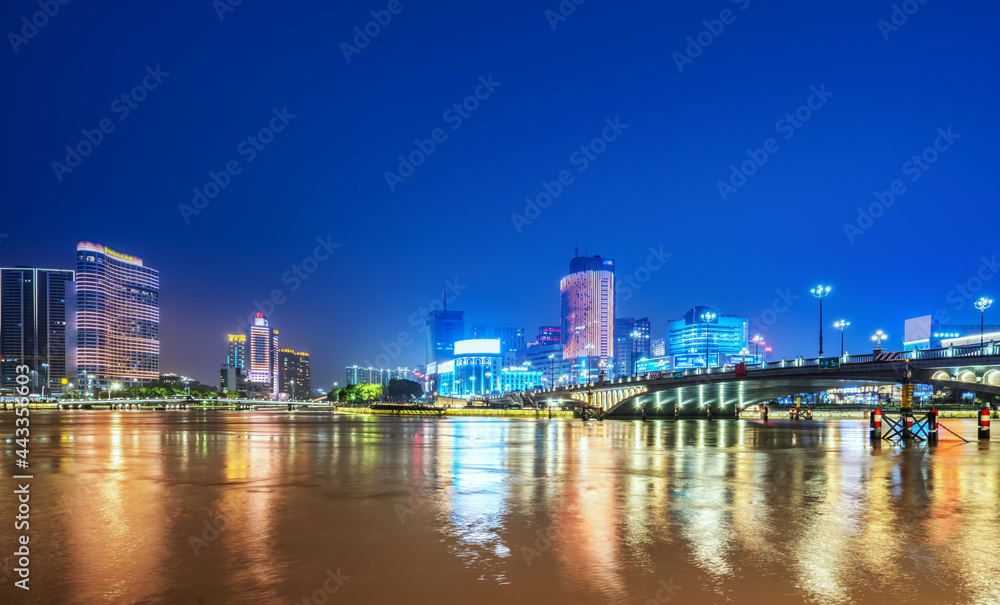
x=723, y=339
x=443, y=329
x=631, y=344
x=477, y=370
x=927, y=333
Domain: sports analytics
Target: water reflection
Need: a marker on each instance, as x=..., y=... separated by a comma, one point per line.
x=256, y=508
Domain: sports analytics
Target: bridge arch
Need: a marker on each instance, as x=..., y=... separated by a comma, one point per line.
x=966, y=375
x=941, y=375
x=992, y=377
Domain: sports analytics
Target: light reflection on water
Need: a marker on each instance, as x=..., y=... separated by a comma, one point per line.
x=259, y=507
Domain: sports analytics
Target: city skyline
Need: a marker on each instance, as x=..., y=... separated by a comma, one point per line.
x=660, y=328
x=735, y=175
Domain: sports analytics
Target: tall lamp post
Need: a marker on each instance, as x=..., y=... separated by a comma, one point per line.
x=982, y=304
x=635, y=354
x=552, y=383
x=820, y=292
x=841, y=324
x=708, y=317
x=757, y=341
x=588, y=347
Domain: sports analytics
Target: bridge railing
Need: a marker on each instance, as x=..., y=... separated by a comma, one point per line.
x=992, y=348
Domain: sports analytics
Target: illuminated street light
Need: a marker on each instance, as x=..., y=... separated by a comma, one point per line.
x=878, y=338
x=841, y=324
x=708, y=317
x=758, y=340
x=820, y=292
x=982, y=304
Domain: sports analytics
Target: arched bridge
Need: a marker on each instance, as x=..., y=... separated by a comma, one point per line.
x=968, y=368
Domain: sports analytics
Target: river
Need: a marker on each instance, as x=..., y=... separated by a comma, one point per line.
x=314, y=507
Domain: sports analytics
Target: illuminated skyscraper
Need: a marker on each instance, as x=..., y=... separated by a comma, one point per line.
x=33, y=327
x=237, y=357
x=631, y=344
x=262, y=355
x=117, y=318
x=293, y=370
x=587, y=309
x=721, y=337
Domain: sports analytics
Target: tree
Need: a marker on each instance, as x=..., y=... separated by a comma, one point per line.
x=400, y=389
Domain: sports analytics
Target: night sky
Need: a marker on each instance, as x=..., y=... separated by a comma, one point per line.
x=684, y=113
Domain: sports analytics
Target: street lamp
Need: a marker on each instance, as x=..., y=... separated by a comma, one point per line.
x=878, y=338
x=708, y=317
x=552, y=357
x=636, y=334
x=589, y=347
x=841, y=324
x=293, y=388
x=820, y=292
x=982, y=304
x=757, y=341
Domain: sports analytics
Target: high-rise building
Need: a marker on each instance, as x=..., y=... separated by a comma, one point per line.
x=587, y=310
x=358, y=375
x=293, y=370
x=549, y=335
x=443, y=329
x=631, y=344
x=117, y=319
x=237, y=356
x=262, y=355
x=511, y=337
x=722, y=338
x=232, y=379
x=657, y=347
x=33, y=328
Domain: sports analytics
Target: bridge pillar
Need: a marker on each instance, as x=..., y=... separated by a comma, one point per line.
x=984, y=423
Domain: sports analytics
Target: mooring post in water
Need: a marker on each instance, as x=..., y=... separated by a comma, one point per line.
x=906, y=409
x=932, y=426
x=763, y=413
x=677, y=411
x=709, y=408
x=984, y=423
x=876, y=425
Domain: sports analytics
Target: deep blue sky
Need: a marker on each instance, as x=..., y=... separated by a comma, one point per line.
x=654, y=186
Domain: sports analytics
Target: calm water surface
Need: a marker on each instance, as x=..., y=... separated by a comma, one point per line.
x=190, y=507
